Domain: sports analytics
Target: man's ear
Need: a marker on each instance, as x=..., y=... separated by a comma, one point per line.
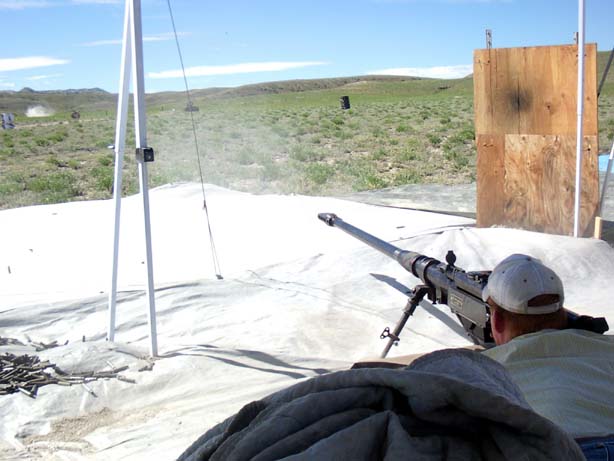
x=497, y=323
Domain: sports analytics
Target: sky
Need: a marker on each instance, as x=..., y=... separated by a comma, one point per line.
x=74, y=44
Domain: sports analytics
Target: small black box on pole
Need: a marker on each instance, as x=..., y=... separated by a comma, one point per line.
x=345, y=102
x=145, y=154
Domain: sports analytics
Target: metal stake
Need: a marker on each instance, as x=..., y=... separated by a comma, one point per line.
x=488, y=39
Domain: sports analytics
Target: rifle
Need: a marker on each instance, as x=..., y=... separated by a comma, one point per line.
x=445, y=283
x=442, y=283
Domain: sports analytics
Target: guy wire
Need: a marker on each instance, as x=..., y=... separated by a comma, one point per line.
x=216, y=264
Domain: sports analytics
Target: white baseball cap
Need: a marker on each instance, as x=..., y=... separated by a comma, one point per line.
x=518, y=279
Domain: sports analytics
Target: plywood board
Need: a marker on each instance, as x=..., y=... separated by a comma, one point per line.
x=490, y=202
x=525, y=119
x=533, y=90
x=538, y=188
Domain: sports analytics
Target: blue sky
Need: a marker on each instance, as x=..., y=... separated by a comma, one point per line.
x=61, y=44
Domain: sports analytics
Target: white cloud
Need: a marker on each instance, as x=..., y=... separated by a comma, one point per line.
x=243, y=68
x=148, y=38
x=97, y=2
x=405, y=2
x=428, y=72
x=43, y=77
x=25, y=4
x=163, y=37
x=478, y=1
x=30, y=62
x=102, y=42
x=22, y=4
x=7, y=85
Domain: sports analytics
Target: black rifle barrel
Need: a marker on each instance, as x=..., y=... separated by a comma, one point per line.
x=448, y=284
x=403, y=257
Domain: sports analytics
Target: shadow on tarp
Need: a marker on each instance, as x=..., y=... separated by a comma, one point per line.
x=222, y=355
x=426, y=305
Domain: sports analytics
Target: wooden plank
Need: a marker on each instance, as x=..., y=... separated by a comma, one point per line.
x=539, y=183
x=533, y=90
x=482, y=92
x=507, y=93
x=551, y=88
x=495, y=81
x=550, y=80
x=490, y=203
x=525, y=119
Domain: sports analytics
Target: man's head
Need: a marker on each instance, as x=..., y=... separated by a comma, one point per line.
x=524, y=296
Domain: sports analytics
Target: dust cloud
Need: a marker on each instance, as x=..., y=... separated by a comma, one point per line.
x=39, y=111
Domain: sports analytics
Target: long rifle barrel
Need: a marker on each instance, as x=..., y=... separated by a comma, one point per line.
x=443, y=282
x=335, y=221
x=403, y=257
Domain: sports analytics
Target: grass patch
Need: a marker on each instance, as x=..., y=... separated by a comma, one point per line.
x=319, y=173
x=398, y=131
x=302, y=153
x=54, y=187
x=103, y=178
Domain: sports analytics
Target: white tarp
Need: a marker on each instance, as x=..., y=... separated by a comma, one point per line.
x=298, y=299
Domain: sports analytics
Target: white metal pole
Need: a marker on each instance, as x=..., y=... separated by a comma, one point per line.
x=120, y=144
x=141, y=141
x=580, y=108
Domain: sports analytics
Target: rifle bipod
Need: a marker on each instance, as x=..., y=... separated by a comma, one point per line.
x=416, y=296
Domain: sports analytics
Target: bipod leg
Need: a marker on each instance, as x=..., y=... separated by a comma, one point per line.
x=415, y=298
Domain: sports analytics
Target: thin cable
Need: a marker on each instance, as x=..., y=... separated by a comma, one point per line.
x=605, y=72
x=216, y=265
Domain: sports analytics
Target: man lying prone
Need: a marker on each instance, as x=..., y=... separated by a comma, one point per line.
x=565, y=374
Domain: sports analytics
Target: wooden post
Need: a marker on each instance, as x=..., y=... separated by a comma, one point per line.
x=598, y=227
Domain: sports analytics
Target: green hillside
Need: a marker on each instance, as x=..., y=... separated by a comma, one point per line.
x=277, y=137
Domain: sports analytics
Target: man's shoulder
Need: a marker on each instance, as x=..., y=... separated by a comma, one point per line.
x=551, y=343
